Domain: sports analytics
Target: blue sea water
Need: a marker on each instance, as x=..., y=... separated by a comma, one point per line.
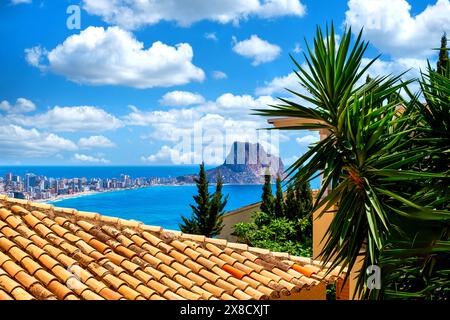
x=155, y=205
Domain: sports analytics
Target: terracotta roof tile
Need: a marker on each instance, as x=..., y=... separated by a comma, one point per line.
x=5, y=296
x=60, y=290
x=90, y=295
x=109, y=294
x=233, y=271
x=57, y=253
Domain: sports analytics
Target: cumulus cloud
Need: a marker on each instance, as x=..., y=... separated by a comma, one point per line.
x=95, y=142
x=113, y=56
x=279, y=85
x=204, y=132
x=391, y=27
x=89, y=159
x=17, y=141
x=308, y=139
x=132, y=14
x=238, y=105
x=139, y=117
x=35, y=56
x=227, y=105
x=211, y=36
x=169, y=155
x=219, y=75
x=70, y=119
x=209, y=139
x=181, y=98
x=397, y=66
x=22, y=105
x=261, y=51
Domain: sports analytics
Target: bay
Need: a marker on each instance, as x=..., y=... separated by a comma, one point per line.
x=154, y=205
x=157, y=205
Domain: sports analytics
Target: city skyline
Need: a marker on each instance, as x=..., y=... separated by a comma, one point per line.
x=31, y=186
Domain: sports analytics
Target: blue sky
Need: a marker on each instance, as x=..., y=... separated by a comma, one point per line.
x=135, y=81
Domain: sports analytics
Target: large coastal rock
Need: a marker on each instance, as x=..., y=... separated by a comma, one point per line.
x=246, y=163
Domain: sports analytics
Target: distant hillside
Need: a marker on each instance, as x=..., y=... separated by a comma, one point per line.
x=246, y=163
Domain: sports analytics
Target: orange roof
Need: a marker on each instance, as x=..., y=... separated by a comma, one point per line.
x=55, y=253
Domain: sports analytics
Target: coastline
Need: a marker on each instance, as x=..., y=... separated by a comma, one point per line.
x=90, y=193
x=81, y=194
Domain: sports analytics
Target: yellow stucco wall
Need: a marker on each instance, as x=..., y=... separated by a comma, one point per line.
x=230, y=219
x=320, y=227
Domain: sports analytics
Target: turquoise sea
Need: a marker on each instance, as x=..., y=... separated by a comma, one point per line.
x=155, y=205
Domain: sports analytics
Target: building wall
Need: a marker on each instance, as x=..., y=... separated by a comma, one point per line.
x=230, y=219
x=320, y=227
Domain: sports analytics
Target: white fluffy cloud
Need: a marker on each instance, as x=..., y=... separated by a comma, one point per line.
x=112, y=56
x=181, y=98
x=308, y=139
x=238, y=105
x=395, y=67
x=138, y=117
x=391, y=27
x=35, y=56
x=90, y=159
x=211, y=127
x=211, y=36
x=227, y=105
x=382, y=67
x=208, y=139
x=132, y=14
x=279, y=85
x=168, y=155
x=261, y=51
x=17, y=141
x=95, y=142
x=22, y=105
x=70, y=119
x=219, y=75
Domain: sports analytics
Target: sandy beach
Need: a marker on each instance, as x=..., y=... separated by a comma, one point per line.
x=81, y=194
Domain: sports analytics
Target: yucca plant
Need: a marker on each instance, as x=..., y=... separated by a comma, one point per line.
x=417, y=261
x=367, y=154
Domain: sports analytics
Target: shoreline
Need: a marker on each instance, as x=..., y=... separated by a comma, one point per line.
x=81, y=194
x=91, y=193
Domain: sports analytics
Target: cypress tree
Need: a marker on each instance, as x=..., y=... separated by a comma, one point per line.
x=218, y=203
x=291, y=205
x=189, y=225
x=305, y=205
x=299, y=200
x=443, y=62
x=304, y=198
x=267, y=196
x=279, y=201
x=207, y=213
